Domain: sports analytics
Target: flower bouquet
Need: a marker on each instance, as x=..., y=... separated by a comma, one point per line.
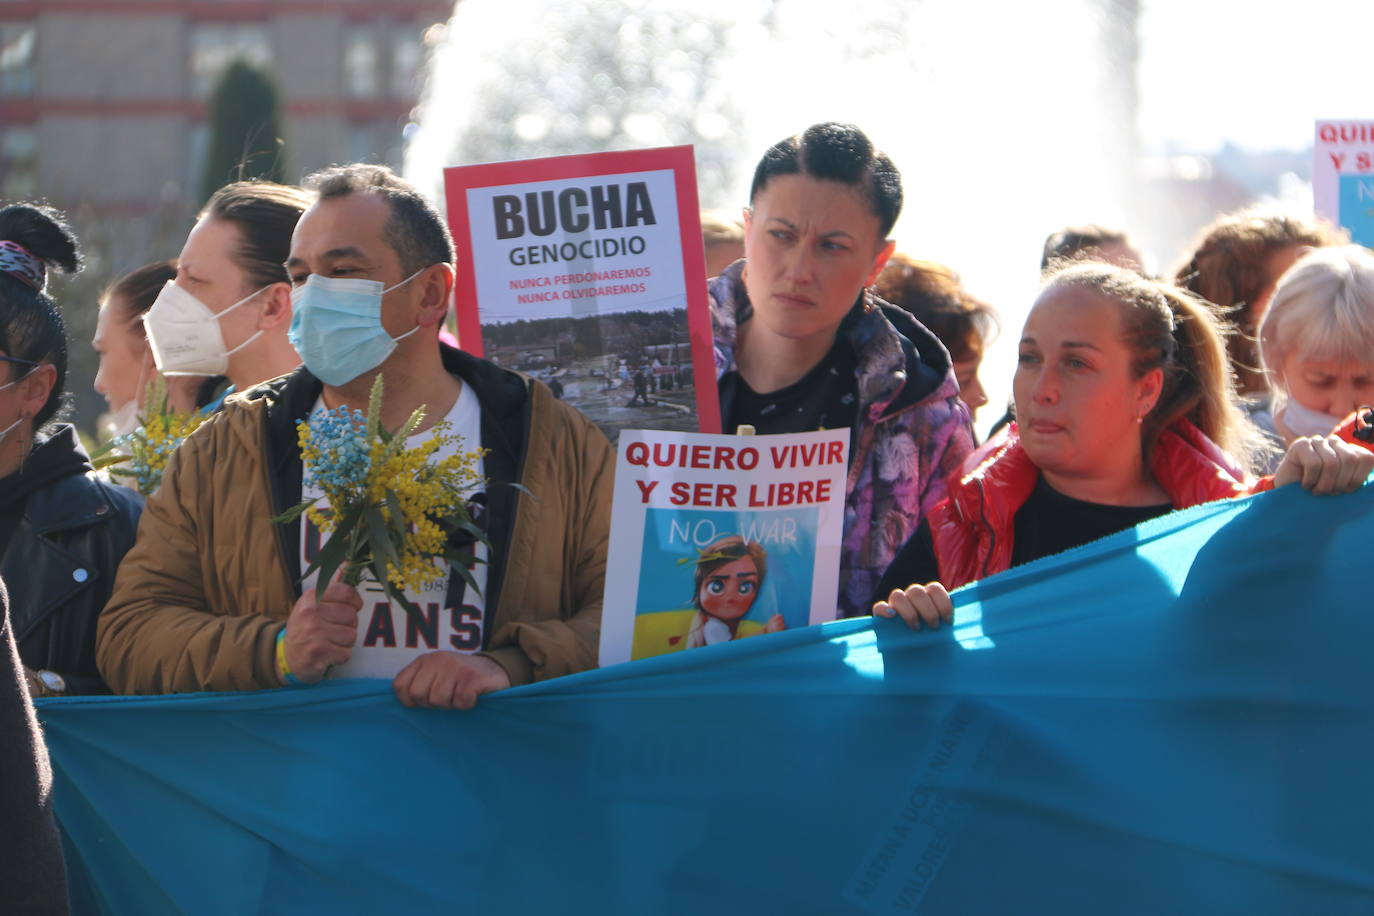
x=145, y=450
x=391, y=511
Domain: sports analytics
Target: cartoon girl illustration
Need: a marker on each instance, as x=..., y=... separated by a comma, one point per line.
x=727, y=579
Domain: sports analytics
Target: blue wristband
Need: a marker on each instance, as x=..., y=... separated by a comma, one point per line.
x=283, y=668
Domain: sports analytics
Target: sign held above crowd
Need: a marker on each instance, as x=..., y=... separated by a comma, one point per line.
x=1343, y=176
x=587, y=272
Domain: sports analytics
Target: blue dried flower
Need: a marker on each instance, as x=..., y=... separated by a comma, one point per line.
x=336, y=451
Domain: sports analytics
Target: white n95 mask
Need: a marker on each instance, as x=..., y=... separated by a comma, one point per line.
x=185, y=334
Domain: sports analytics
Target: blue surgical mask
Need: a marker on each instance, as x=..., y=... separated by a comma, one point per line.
x=336, y=326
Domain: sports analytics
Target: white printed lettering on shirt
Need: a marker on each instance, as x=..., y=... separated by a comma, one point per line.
x=389, y=637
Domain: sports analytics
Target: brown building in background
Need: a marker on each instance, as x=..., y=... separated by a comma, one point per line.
x=102, y=102
x=103, y=108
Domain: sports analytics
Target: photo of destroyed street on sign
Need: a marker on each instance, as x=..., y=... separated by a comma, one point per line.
x=626, y=370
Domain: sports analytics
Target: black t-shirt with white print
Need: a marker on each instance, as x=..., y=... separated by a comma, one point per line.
x=824, y=398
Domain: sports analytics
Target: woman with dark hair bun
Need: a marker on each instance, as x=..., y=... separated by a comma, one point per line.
x=63, y=530
x=802, y=343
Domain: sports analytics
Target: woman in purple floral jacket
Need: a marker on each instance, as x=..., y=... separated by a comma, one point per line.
x=801, y=344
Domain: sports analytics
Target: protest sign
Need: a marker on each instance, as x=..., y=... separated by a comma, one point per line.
x=715, y=538
x=588, y=273
x=1343, y=176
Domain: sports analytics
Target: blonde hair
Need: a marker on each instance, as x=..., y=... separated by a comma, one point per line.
x=1166, y=328
x=1323, y=308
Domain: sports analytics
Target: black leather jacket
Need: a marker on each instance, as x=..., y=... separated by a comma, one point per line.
x=60, y=568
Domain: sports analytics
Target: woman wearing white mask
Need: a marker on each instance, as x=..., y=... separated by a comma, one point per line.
x=1317, y=341
x=228, y=311
x=63, y=530
x=126, y=360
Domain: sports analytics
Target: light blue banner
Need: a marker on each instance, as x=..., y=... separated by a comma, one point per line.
x=1178, y=719
x=1357, y=207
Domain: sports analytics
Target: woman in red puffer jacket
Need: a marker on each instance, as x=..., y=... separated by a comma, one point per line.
x=1125, y=412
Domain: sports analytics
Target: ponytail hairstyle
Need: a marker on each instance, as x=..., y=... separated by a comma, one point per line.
x=265, y=214
x=137, y=290
x=1169, y=329
x=31, y=328
x=1229, y=268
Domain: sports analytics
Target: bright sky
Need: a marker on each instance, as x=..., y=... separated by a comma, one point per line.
x=1255, y=73
x=962, y=105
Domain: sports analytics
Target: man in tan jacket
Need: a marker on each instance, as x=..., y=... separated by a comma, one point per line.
x=210, y=597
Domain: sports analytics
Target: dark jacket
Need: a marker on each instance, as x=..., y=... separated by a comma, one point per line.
x=212, y=579
x=61, y=560
x=32, y=879
x=913, y=431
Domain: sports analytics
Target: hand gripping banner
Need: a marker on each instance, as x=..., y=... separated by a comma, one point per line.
x=1179, y=718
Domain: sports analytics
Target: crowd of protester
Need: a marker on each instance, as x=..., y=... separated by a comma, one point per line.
x=1133, y=396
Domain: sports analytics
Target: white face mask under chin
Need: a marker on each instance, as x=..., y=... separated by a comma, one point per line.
x=122, y=421
x=1300, y=421
x=6, y=431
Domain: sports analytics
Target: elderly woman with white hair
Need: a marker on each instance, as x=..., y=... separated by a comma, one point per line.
x=1317, y=341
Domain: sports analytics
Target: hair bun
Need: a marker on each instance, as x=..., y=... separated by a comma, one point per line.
x=44, y=233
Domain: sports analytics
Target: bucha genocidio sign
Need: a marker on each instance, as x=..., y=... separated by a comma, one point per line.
x=715, y=538
x=587, y=272
x=1343, y=176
